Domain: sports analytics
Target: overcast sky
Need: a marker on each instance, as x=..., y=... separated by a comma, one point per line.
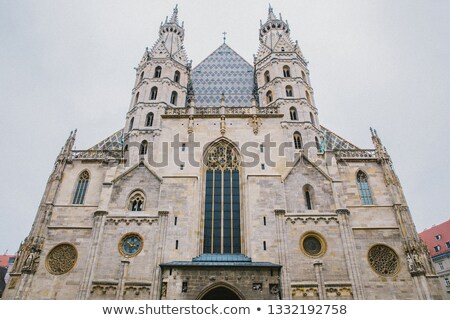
x=69, y=64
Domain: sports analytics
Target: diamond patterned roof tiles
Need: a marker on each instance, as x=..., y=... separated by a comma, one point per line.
x=223, y=72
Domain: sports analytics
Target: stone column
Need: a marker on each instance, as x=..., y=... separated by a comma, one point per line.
x=156, y=283
x=123, y=275
x=349, y=245
x=320, y=281
x=285, y=281
x=91, y=262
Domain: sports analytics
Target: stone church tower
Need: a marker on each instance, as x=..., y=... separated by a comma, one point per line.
x=223, y=185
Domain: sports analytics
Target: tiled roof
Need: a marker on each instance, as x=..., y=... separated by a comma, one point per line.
x=113, y=142
x=429, y=237
x=223, y=72
x=333, y=141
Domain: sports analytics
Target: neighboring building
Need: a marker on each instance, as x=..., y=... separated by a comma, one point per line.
x=437, y=239
x=223, y=185
x=6, y=263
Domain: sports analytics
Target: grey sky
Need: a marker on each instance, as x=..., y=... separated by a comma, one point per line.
x=69, y=64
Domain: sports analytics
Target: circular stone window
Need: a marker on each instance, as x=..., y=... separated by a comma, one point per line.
x=313, y=245
x=61, y=259
x=383, y=260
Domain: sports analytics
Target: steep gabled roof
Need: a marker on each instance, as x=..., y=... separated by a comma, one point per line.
x=113, y=142
x=333, y=141
x=223, y=72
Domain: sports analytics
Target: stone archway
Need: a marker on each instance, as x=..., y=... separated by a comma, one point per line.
x=220, y=292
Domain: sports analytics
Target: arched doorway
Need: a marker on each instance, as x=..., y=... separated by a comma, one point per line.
x=220, y=293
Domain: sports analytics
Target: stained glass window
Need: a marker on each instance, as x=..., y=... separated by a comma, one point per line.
x=363, y=187
x=222, y=221
x=82, y=185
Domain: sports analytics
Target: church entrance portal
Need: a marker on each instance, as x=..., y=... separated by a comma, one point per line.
x=220, y=293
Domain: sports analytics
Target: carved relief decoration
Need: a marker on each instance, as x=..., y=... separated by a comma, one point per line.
x=61, y=259
x=383, y=260
x=222, y=156
x=138, y=221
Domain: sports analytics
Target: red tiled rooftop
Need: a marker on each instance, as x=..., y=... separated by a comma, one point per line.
x=429, y=237
x=4, y=260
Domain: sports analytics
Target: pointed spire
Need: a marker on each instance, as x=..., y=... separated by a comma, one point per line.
x=174, y=18
x=271, y=14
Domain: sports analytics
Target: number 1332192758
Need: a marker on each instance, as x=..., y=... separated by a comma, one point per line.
x=307, y=309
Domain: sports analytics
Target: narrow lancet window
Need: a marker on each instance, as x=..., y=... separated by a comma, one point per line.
x=136, y=202
x=154, y=93
x=80, y=191
x=267, y=76
x=269, y=97
x=158, y=70
x=311, y=117
x=308, y=193
x=149, y=119
x=176, y=76
x=286, y=72
x=363, y=187
x=143, y=149
x=174, y=97
x=308, y=97
x=293, y=113
x=130, y=126
x=297, y=140
x=289, y=92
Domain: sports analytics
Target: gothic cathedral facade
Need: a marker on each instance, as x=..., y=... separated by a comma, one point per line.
x=223, y=184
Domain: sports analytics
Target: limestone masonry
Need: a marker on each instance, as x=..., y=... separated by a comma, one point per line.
x=223, y=184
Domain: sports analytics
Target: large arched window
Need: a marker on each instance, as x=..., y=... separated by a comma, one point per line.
x=222, y=217
x=143, y=148
x=176, y=76
x=174, y=98
x=269, y=96
x=141, y=77
x=363, y=188
x=308, y=194
x=267, y=76
x=153, y=93
x=289, y=92
x=293, y=113
x=149, y=119
x=158, y=70
x=80, y=191
x=286, y=72
x=297, y=140
x=130, y=126
x=136, y=202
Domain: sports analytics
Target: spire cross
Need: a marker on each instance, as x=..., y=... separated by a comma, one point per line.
x=224, y=36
